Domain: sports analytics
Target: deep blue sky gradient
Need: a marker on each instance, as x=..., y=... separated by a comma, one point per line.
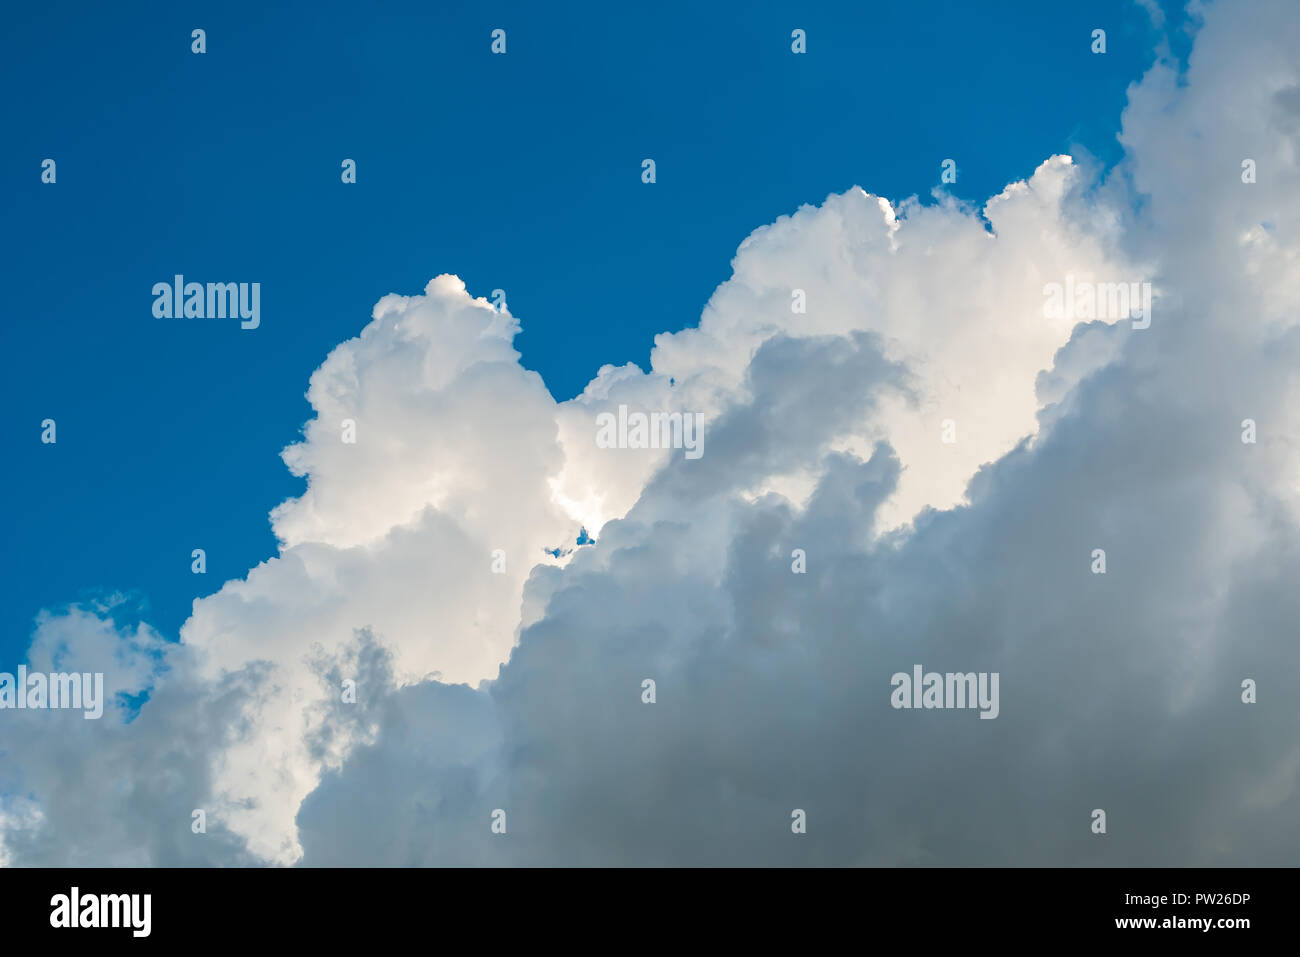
x=519, y=171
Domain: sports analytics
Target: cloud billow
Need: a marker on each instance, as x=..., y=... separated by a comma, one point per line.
x=520, y=686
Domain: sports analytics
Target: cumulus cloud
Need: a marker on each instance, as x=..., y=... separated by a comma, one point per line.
x=518, y=686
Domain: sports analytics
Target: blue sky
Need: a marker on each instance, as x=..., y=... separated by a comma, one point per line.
x=519, y=172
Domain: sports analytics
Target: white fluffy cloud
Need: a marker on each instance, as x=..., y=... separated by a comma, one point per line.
x=823, y=433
